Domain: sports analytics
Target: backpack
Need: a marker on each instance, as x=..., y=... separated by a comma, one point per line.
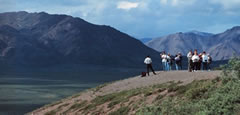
x=143, y=74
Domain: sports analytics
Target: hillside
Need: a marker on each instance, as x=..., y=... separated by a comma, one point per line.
x=43, y=39
x=175, y=92
x=221, y=46
x=133, y=93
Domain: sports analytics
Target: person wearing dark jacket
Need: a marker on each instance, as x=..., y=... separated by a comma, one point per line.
x=148, y=62
x=180, y=61
x=209, y=62
x=169, y=61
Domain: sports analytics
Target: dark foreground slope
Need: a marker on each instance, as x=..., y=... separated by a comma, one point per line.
x=44, y=39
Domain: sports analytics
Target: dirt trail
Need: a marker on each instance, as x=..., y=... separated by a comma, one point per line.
x=130, y=83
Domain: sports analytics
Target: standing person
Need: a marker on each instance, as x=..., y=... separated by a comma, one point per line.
x=204, y=60
x=199, y=62
x=209, y=62
x=195, y=59
x=164, y=60
x=148, y=62
x=189, y=56
x=180, y=62
x=169, y=61
x=177, y=62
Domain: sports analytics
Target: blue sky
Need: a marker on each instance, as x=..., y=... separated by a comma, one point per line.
x=141, y=18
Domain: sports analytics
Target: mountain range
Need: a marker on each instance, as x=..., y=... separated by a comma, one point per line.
x=44, y=39
x=220, y=46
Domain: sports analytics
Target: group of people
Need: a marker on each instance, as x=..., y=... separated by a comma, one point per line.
x=168, y=61
x=198, y=61
x=195, y=61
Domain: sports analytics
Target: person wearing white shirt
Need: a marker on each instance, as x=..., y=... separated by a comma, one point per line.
x=164, y=60
x=169, y=62
x=204, y=60
x=195, y=59
x=148, y=62
x=177, y=62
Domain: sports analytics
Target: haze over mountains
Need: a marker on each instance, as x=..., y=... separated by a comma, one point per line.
x=43, y=39
x=221, y=46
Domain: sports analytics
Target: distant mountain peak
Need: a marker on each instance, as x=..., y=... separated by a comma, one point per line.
x=236, y=28
x=199, y=33
x=179, y=33
x=23, y=12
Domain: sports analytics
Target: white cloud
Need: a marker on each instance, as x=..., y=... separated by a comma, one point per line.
x=149, y=18
x=164, y=2
x=125, y=5
x=228, y=4
x=177, y=2
x=174, y=2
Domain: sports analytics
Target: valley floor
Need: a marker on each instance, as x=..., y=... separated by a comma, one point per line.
x=69, y=104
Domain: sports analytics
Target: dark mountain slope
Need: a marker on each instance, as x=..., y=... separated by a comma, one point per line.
x=60, y=39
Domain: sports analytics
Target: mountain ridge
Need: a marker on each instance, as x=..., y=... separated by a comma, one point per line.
x=220, y=46
x=55, y=39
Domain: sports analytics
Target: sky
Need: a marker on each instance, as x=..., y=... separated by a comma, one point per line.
x=141, y=18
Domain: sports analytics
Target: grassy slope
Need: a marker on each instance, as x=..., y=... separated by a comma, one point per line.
x=198, y=97
x=217, y=96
